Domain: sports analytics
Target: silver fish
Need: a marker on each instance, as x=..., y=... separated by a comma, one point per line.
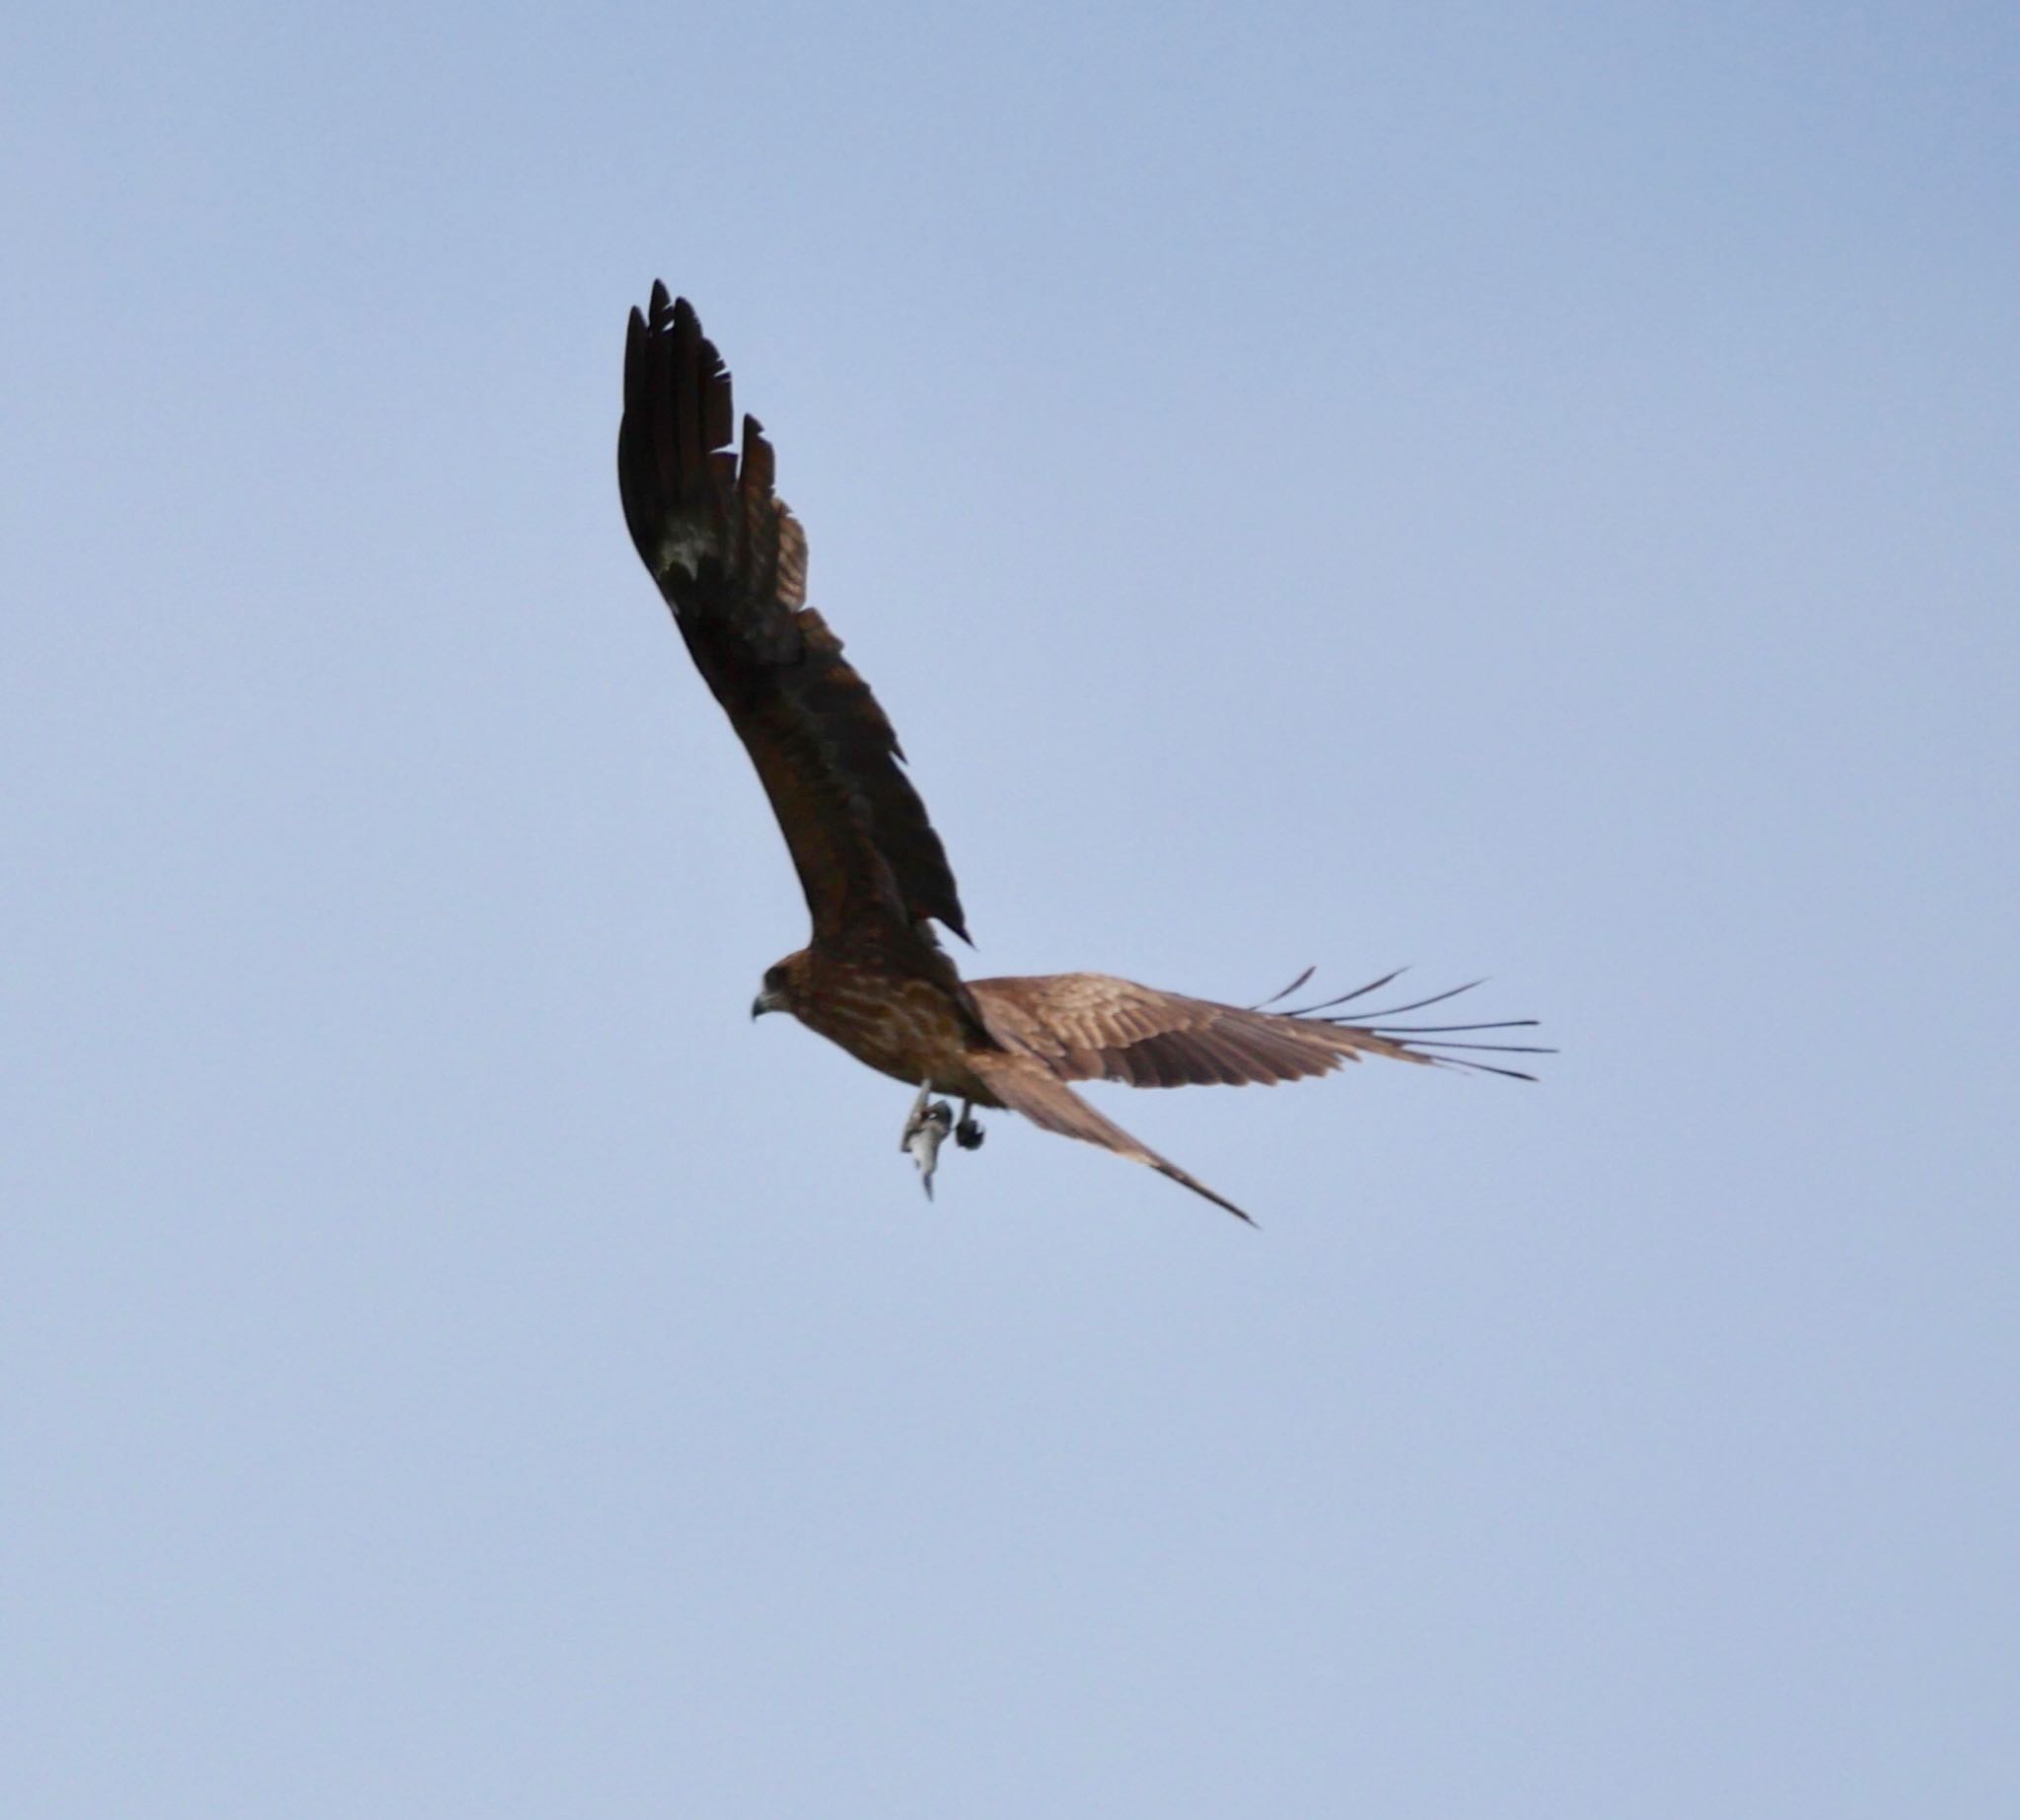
x=924, y=1133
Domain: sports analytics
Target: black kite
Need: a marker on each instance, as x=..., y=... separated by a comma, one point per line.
x=731, y=563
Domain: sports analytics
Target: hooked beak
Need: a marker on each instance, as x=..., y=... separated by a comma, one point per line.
x=767, y=1000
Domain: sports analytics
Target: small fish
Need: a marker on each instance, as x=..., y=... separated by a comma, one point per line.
x=924, y=1133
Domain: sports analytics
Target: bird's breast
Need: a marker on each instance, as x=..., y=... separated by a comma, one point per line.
x=909, y=1028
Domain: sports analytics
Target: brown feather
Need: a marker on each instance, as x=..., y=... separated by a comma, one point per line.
x=1094, y=1027
x=731, y=560
x=1022, y=1085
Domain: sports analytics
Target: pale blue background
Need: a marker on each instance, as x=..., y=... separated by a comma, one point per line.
x=1518, y=490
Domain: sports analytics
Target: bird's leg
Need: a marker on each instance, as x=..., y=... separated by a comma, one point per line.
x=925, y=1130
x=967, y=1132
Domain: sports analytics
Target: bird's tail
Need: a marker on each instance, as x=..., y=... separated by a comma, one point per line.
x=1024, y=1085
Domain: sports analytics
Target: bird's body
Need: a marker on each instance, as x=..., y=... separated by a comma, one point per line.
x=731, y=562
x=906, y=1025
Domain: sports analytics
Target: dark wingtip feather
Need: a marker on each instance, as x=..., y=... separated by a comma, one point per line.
x=1420, y=1040
x=1360, y=992
x=1417, y=1004
x=1287, y=991
x=1484, y=1067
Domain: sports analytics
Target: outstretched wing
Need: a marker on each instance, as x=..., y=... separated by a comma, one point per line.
x=1025, y=1084
x=731, y=563
x=1058, y=1028
x=1094, y=1027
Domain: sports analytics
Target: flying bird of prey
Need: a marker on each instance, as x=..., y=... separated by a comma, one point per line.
x=732, y=563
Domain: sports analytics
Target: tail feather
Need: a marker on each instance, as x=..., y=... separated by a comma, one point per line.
x=1023, y=1085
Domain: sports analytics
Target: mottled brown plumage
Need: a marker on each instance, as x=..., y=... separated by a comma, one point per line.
x=731, y=560
x=1093, y=1027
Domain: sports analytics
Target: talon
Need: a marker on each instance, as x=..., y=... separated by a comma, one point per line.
x=968, y=1135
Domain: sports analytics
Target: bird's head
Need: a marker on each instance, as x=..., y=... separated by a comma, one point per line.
x=776, y=993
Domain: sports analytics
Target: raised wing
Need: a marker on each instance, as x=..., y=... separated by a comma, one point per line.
x=731, y=563
x=1094, y=1027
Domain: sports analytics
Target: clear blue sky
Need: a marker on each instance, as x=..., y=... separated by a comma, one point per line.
x=1525, y=491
